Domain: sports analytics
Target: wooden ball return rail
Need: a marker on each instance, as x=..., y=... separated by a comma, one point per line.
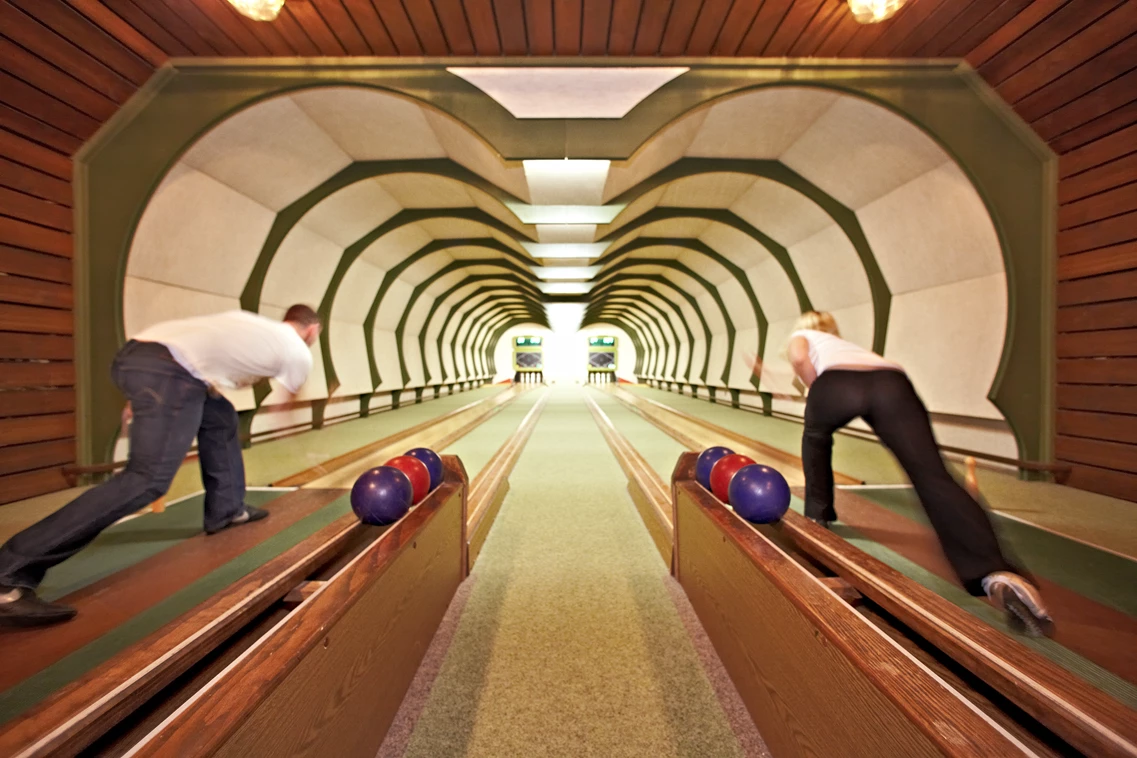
x=311, y=654
x=836, y=653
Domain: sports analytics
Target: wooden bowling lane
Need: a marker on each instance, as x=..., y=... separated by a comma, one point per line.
x=364, y=457
x=697, y=434
x=1079, y=714
x=1097, y=632
x=437, y=434
x=110, y=602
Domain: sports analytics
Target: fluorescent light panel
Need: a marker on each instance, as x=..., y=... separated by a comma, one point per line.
x=568, y=91
x=565, y=214
x=564, y=288
x=566, y=182
x=565, y=272
x=541, y=250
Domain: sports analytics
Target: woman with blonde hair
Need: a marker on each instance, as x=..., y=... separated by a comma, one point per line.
x=847, y=381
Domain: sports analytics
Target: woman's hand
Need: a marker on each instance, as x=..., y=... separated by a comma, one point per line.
x=799, y=359
x=127, y=415
x=754, y=362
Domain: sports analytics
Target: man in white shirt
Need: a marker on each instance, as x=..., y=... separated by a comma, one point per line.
x=171, y=374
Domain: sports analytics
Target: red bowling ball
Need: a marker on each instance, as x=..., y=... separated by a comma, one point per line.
x=724, y=471
x=416, y=471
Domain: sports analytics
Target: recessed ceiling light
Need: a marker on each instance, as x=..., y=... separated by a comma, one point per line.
x=258, y=10
x=874, y=11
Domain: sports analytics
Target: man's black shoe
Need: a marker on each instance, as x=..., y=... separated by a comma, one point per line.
x=247, y=516
x=21, y=607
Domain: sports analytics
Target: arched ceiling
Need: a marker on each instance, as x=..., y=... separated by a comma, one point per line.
x=418, y=242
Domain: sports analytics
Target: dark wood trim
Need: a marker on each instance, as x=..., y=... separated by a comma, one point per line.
x=78, y=714
x=1079, y=713
x=784, y=637
x=635, y=404
x=483, y=406
x=492, y=483
x=265, y=697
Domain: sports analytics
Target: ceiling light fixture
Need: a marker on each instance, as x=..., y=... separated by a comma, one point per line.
x=258, y=10
x=874, y=11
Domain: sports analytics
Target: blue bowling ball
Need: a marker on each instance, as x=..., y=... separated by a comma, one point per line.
x=433, y=463
x=381, y=496
x=706, y=461
x=759, y=494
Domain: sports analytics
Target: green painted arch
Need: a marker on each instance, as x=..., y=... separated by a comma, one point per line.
x=633, y=335
x=500, y=331
x=646, y=305
x=438, y=302
x=392, y=275
x=633, y=306
x=287, y=218
x=654, y=344
x=480, y=314
x=710, y=288
x=647, y=339
x=728, y=218
x=426, y=283
x=649, y=308
x=776, y=171
x=496, y=328
x=454, y=347
x=701, y=248
x=485, y=343
x=524, y=292
x=678, y=316
x=1011, y=168
x=468, y=281
x=663, y=281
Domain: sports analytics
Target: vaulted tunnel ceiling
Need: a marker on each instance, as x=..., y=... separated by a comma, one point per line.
x=407, y=229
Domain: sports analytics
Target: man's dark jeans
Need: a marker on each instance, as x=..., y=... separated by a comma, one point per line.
x=170, y=408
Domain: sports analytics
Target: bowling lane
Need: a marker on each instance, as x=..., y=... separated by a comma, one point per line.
x=143, y=573
x=571, y=641
x=1096, y=628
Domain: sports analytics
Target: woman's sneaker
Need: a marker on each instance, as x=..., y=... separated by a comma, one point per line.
x=1022, y=602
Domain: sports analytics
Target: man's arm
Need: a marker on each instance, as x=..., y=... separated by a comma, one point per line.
x=799, y=359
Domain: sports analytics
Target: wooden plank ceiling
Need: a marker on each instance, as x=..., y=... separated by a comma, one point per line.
x=1069, y=68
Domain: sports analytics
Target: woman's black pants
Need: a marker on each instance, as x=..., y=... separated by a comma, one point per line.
x=888, y=402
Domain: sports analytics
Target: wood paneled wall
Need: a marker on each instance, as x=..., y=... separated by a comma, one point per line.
x=1069, y=67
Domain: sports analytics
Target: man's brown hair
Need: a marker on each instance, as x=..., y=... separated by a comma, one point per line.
x=303, y=315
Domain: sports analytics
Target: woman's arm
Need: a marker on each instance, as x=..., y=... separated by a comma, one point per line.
x=799, y=359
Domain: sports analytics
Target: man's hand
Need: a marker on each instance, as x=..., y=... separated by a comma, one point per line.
x=127, y=415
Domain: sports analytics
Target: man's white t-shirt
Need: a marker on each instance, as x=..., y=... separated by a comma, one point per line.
x=828, y=350
x=234, y=349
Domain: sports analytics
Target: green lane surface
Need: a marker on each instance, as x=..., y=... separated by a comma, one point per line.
x=569, y=643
